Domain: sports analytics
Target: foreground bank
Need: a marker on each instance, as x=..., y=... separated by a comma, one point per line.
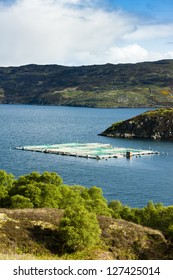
x=72, y=222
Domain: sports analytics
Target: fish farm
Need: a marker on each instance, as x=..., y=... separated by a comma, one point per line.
x=88, y=150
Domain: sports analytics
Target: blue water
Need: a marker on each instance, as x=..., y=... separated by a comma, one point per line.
x=134, y=181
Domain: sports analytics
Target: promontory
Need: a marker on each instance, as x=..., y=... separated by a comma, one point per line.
x=154, y=124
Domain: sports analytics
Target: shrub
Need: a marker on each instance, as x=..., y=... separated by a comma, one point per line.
x=79, y=229
x=19, y=201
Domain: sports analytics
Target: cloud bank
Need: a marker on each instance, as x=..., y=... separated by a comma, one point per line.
x=74, y=32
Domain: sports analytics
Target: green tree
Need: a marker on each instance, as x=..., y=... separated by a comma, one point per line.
x=34, y=177
x=6, y=183
x=79, y=229
x=30, y=191
x=70, y=196
x=127, y=213
x=116, y=206
x=50, y=196
x=51, y=178
x=96, y=202
x=19, y=201
x=170, y=231
x=42, y=190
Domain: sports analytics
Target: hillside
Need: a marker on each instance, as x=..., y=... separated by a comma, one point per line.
x=146, y=84
x=33, y=234
x=155, y=124
x=42, y=218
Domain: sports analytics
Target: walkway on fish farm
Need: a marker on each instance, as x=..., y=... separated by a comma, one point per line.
x=88, y=150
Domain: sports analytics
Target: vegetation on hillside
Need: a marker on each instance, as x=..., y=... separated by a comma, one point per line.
x=77, y=219
x=146, y=84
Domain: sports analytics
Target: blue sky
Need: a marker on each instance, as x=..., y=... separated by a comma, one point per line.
x=143, y=6
x=85, y=32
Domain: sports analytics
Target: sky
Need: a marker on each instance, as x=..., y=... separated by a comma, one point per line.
x=85, y=32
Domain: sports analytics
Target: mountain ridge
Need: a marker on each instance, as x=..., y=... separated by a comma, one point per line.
x=144, y=84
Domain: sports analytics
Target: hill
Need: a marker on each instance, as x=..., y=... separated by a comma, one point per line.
x=146, y=84
x=154, y=124
x=33, y=234
x=42, y=218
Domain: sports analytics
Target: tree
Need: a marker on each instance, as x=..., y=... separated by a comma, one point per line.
x=6, y=183
x=170, y=231
x=116, y=207
x=51, y=178
x=50, y=195
x=42, y=190
x=34, y=177
x=96, y=202
x=30, y=191
x=70, y=196
x=79, y=229
x=19, y=201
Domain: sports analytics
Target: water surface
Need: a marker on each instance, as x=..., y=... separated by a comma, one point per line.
x=134, y=181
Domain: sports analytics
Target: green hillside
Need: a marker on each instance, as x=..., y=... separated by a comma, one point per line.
x=42, y=218
x=146, y=84
x=33, y=234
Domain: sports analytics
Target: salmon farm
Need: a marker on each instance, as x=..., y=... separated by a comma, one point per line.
x=88, y=150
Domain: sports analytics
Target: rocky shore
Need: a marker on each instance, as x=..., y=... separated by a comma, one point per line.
x=155, y=124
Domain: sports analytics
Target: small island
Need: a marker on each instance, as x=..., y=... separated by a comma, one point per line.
x=155, y=124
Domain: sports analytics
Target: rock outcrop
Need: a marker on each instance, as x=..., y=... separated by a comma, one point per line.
x=155, y=124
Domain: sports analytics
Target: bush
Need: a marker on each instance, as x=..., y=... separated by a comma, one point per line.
x=19, y=201
x=116, y=207
x=6, y=183
x=79, y=229
x=95, y=202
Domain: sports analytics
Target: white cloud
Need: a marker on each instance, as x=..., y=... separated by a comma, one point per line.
x=71, y=32
x=134, y=53
x=131, y=53
x=47, y=31
x=151, y=31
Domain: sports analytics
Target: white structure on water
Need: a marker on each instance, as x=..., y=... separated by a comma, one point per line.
x=88, y=150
